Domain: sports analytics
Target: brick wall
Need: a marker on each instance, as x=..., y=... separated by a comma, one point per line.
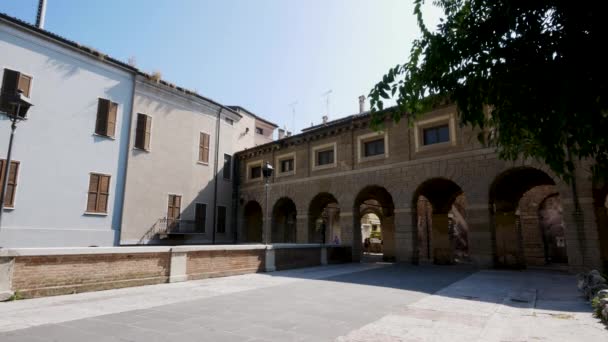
x=297, y=257
x=220, y=263
x=36, y=276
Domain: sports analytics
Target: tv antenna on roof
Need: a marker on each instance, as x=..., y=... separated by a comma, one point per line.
x=326, y=95
x=293, y=115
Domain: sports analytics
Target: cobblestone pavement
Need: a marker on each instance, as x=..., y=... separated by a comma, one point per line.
x=354, y=302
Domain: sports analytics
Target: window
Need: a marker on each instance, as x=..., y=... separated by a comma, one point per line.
x=373, y=147
x=255, y=172
x=229, y=121
x=106, y=118
x=174, y=208
x=11, y=82
x=203, y=148
x=325, y=157
x=287, y=165
x=259, y=130
x=143, y=131
x=200, y=217
x=436, y=135
x=9, y=197
x=227, y=165
x=221, y=219
x=99, y=191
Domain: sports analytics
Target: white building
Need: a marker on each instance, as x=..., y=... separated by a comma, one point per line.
x=66, y=184
x=180, y=179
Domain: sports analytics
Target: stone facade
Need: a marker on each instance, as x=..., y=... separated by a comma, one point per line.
x=390, y=184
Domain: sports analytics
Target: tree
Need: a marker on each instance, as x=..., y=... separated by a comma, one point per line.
x=534, y=71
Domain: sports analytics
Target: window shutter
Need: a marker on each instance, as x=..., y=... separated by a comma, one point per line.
x=104, y=192
x=111, y=125
x=140, y=131
x=93, y=187
x=10, y=81
x=204, y=148
x=148, y=132
x=9, y=199
x=101, y=124
x=24, y=84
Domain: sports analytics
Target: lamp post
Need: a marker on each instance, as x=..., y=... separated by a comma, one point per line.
x=20, y=105
x=267, y=170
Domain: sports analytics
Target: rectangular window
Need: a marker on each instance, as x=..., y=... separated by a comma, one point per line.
x=373, y=147
x=11, y=82
x=325, y=157
x=174, y=207
x=143, y=132
x=287, y=165
x=221, y=219
x=436, y=135
x=11, y=188
x=200, y=217
x=259, y=130
x=229, y=121
x=255, y=172
x=106, y=117
x=99, y=192
x=203, y=148
x=227, y=166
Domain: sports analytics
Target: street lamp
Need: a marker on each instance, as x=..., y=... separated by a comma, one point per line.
x=18, y=106
x=267, y=170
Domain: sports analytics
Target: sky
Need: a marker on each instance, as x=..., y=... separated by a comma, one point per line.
x=263, y=55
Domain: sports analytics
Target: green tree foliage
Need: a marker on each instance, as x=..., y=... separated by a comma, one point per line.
x=537, y=67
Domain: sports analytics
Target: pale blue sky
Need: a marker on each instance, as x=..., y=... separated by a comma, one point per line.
x=259, y=54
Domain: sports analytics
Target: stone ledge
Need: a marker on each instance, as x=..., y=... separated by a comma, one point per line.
x=17, y=252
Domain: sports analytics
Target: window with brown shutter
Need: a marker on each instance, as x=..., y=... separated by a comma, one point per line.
x=203, y=149
x=11, y=188
x=11, y=82
x=106, y=117
x=99, y=192
x=200, y=217
x=174, y=207
x=143, y=132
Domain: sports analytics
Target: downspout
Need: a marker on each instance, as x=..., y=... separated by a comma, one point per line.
x=235, y=197
x=126, y=164
x=217, y=153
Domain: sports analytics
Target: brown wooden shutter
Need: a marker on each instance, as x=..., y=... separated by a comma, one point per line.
x=101, y=124
x=174, y=208
x=10, y=81
x=24, y=84
x=99, y=192
x=93, y=193
x=111, y=125
x=148, y=132
x=9, y=197
x=203, y=152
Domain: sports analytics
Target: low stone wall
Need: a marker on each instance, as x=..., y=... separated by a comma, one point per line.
x=54, y=271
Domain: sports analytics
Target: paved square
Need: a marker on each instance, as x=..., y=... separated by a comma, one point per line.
x=354, y=302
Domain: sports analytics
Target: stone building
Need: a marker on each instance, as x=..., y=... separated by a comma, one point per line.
x=441, y=195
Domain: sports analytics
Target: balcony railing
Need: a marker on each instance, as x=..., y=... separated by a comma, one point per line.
x=169, y=226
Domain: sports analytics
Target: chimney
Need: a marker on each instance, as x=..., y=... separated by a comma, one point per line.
x=41, y=14
x=325, y=119
x=361, y=104
x=288, y=134
x=281, y=133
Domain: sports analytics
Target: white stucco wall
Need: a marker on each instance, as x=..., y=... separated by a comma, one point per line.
x=57, y=147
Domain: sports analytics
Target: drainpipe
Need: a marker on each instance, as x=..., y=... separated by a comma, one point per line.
x=235, y=198
x=217, y=153
x=126, y=164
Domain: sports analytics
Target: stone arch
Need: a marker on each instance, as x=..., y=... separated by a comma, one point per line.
x=442, y=233
x=284, y=221
x=253, y=219
x=515, y=196
x=323, y=218
x=377, y=199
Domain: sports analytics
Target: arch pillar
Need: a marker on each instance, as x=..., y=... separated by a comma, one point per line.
x=404, y=235
x=481, y=238
x=582, y=239
x=388, y=238
x=301, y=228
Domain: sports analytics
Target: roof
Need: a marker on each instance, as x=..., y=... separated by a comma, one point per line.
x=239, y=108
x=337, y=121
x=101, y=56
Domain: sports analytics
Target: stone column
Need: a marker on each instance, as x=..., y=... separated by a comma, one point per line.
x=270, y=264
x=388, y=239
x=301, y=229
x=404, y=235
x=6, y=277
x=350, y=236
x=481, y=244
x=581, y=234
x=178, y=270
